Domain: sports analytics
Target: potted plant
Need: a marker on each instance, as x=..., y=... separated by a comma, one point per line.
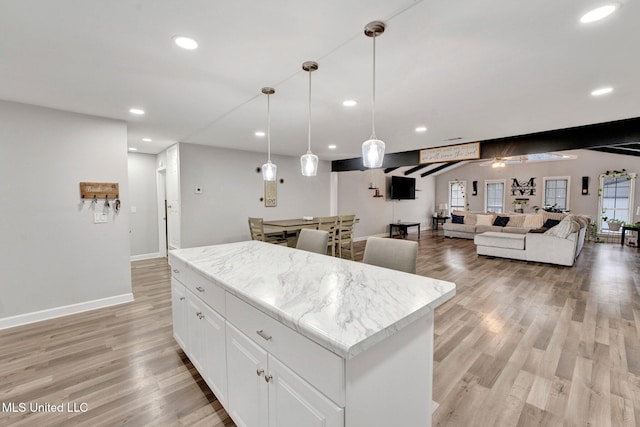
x=615, y=224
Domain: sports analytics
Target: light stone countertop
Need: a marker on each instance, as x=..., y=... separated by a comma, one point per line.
x=344, y=306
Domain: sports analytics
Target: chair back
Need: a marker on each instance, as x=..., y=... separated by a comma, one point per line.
x=256, y=228
x=330, y=225
x=395, y=254
x=313, y=240
x=345, y=227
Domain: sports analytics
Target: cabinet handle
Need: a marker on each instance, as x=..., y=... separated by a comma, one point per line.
x=200, y=289
x=181, y=298
x=268, y=378
x=200, y=315
x=175, y=270
x=263, y=334
x=259, y=372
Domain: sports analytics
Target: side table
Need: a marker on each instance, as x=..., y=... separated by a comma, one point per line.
x=438, y=220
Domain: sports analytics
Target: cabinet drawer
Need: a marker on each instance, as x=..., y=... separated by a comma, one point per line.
x=178, y=269
x=206, y=290
x=317, y=365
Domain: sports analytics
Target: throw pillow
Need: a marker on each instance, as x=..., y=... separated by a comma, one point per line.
x=553, y=215
x=533, y=221
x=538, y=230
x=516, y=220
x=484, y=219
x=564, y=228
x=501, y=221
x=457, y=219
x=470, y=219
x=550, y=223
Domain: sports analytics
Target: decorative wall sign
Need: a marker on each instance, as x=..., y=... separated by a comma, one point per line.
x=523, y=188
x=450, y=153
x=99, y=190
x=270, y=194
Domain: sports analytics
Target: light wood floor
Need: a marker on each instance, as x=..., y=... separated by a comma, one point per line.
x=520, y=344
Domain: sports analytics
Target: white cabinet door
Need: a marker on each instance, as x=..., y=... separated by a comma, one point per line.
x=196, y=345
x=215, y=357
x=247, y=392
x=173, y=197
x=293, y=402
x=179, y=312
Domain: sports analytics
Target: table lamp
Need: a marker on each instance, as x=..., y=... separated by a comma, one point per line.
x=443, y=208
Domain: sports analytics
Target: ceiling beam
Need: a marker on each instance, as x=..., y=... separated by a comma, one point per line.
x=614, y=150
x=588, y=136
x=414, y=169
x=388, y=170
x=438, y=169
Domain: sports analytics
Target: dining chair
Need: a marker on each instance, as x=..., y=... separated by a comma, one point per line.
x=256, y=228
x=329, y=224
x=313, y=240
x=395, y=254
x=344, y=233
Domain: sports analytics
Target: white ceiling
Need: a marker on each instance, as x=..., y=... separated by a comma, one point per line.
x=469, y=69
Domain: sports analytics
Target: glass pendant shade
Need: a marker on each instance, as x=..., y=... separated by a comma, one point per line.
x=373, y=148
x=373, y=152
x=269, y=171
x=309, y=164
x=309, y=161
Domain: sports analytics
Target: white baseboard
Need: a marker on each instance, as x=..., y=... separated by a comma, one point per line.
x=361, y=238
x=145, y=256
x=52, y=313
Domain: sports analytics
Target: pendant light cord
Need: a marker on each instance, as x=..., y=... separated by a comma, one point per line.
x=309, y=139
x=268, y=129
x=373, y=98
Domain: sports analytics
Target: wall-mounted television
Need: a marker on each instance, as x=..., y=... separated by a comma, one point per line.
x=403, y=188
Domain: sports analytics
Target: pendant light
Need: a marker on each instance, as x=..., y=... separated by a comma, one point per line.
x=309, y=161
x=269, y=170
x=373, y=148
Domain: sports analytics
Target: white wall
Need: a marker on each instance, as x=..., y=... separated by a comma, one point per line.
x=52, y=254
x=143, y=237
x=376, y=214
x=231, y=192
x=589, y=163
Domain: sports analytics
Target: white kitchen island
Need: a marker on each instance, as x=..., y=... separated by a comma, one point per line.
x=290, y=338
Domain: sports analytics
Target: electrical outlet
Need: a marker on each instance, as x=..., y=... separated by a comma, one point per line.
x=198, y=190
x=99, y=218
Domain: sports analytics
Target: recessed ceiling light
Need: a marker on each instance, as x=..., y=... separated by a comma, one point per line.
x=133, y=149
x=260, y=134
x=146, y=139
x=350, y=103
x=185, y=42
x=332, y=147
x=598, y=13
x=602, y=91
x=421, y=129
x=136, y=111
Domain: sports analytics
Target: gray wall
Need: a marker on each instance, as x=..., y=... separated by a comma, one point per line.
x=231, y=189
x=375, y=214
x=143, y=237
x=52, y=254
x=589, y=163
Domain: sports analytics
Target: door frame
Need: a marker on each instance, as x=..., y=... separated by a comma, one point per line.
x=161, y=186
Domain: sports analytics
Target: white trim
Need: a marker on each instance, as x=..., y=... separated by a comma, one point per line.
x=551, y=178
x=52, y=313
x=147, y=256
x=333, y=193
x=361, y=238
x=161, y=190
x=465, y=199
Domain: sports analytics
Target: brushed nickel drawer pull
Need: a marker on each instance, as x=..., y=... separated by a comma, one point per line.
x=263, y=334
x=181, y=298
x=268, y=378
x=200, y=288
x=175, y=270
x=200, y=315
x=259, y=372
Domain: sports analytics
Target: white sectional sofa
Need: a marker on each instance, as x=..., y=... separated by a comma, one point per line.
x=481, y=222
x=559, y=245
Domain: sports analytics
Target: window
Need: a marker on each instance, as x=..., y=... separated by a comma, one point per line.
x=457, y=195
x=556, y=191
x=616, y=199
x=494, y=195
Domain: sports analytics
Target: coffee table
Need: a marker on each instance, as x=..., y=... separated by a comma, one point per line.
x=403, y=228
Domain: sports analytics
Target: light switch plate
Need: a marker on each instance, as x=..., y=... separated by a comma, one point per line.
x=99, y=218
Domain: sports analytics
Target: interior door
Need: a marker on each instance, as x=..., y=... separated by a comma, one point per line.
x=173, y=197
